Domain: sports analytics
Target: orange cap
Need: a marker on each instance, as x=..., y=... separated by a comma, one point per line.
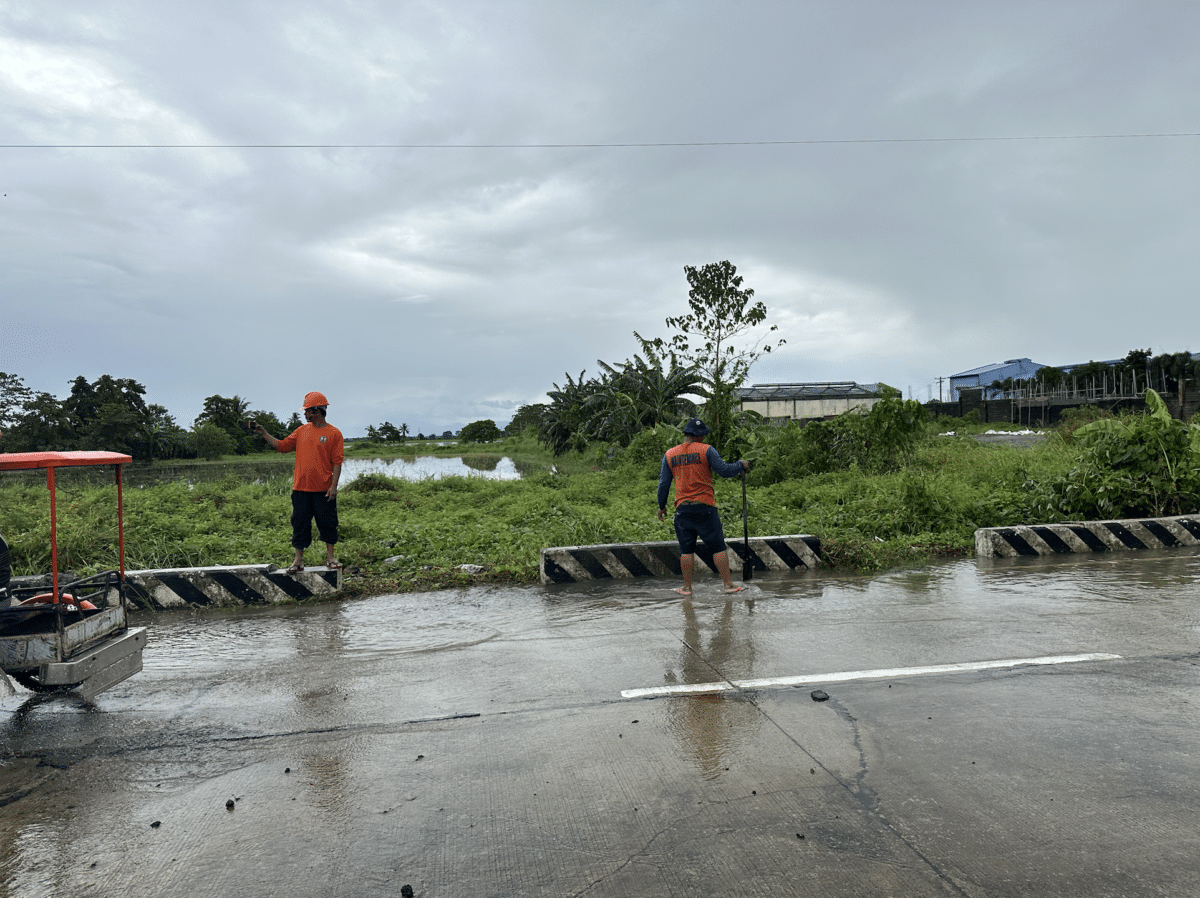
x=313, y=399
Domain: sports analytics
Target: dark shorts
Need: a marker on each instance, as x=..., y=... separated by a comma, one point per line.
x=702, y=522
x=305, y=507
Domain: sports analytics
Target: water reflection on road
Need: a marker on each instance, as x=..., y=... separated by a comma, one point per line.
x=328, y=724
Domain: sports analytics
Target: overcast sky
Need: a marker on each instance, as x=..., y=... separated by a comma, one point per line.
x=913, y=189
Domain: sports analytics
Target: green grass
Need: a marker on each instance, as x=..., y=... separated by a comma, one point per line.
x=866, y=523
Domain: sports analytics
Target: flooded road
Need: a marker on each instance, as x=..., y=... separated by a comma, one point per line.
x=476, y=743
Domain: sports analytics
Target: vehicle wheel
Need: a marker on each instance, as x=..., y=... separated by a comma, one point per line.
x=33, y=683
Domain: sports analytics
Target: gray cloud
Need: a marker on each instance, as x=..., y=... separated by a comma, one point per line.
x=443, y=284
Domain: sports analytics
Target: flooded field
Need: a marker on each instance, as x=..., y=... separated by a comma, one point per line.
x=428, y=467
x=477, y=742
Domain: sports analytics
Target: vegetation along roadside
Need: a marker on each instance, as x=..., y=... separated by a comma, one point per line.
x=881, y=490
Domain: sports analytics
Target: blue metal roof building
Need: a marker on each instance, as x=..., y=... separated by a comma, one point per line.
x=984, y=376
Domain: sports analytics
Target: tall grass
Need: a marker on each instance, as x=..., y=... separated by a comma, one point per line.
x=930, y=507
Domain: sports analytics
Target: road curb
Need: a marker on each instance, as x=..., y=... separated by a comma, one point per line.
x=1082, y=537
x=572, y=564
x=223, y=586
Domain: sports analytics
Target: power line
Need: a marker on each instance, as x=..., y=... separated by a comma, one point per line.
x=570, y=146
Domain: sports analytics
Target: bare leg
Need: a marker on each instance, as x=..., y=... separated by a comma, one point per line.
x=721, y=560
x=686, y=564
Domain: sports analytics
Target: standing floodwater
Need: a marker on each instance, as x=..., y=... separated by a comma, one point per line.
x=475, y=742
x=428, y=467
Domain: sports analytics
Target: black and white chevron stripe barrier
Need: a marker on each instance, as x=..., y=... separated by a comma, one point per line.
x=568, y=564
x=253, y=584
x=1088, y=536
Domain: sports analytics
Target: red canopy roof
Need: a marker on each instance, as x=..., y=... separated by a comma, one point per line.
x=22, y=461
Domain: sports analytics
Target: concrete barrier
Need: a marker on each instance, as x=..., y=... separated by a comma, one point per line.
x=222, y=586
x=1088, y=536
x=569, y=564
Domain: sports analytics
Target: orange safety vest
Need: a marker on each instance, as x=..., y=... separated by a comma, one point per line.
x=693, y=478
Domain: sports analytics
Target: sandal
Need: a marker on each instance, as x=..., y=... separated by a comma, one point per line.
x=334, y=565
x=295, y=569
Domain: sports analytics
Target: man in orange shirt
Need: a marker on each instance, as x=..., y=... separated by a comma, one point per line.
x=319, y=456
x=690, y=465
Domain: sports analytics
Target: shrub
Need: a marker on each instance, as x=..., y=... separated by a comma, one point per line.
x=1130, y=466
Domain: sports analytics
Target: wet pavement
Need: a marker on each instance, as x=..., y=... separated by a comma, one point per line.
x=476, y=743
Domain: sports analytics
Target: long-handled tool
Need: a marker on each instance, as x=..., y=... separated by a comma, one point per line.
x=747, y=570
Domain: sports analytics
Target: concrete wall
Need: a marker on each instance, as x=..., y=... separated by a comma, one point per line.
x=808, y=409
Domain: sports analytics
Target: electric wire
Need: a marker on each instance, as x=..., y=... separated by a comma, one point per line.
x=568, y=146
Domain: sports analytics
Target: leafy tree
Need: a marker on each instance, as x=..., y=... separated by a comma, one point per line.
x=13, y=396
x=230, y=414
x=625, y=399
x=564, y=422
x=650, y=392
x=389, y=432
x=271, y=423
x=526, y=416
x=210, y=441
x=116, y=427
x=1091, y=376
x=109, y=413
x=480, y=432
x=1052, y=378
x=161, y=436
x=1138, y=358
x=709, y=337
x=1176, y=368
x=43, y=424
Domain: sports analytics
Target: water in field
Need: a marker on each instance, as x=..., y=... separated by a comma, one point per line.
x=492, y=467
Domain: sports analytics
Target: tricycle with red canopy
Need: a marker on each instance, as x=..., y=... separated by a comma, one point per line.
x=75, y=635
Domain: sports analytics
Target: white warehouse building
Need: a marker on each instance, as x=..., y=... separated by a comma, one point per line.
x=807, y=402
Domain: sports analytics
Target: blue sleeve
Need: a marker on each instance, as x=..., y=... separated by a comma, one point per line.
x=664, y=483
x=724, y=468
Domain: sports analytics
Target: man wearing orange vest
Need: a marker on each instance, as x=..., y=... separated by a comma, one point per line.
x=319, y=456
x=690, y=465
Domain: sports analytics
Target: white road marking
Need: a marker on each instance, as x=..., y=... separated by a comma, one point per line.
x=849, y=675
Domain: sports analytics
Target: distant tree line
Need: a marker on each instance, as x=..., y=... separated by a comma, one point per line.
x=112, y=414
x=387, y=432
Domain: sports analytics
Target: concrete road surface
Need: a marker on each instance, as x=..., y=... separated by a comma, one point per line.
x=478, y=743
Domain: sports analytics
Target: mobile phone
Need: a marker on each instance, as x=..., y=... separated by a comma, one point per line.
x=250, y=424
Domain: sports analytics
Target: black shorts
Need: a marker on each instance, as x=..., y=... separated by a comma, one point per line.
x=702, y=522
x=305, y=507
